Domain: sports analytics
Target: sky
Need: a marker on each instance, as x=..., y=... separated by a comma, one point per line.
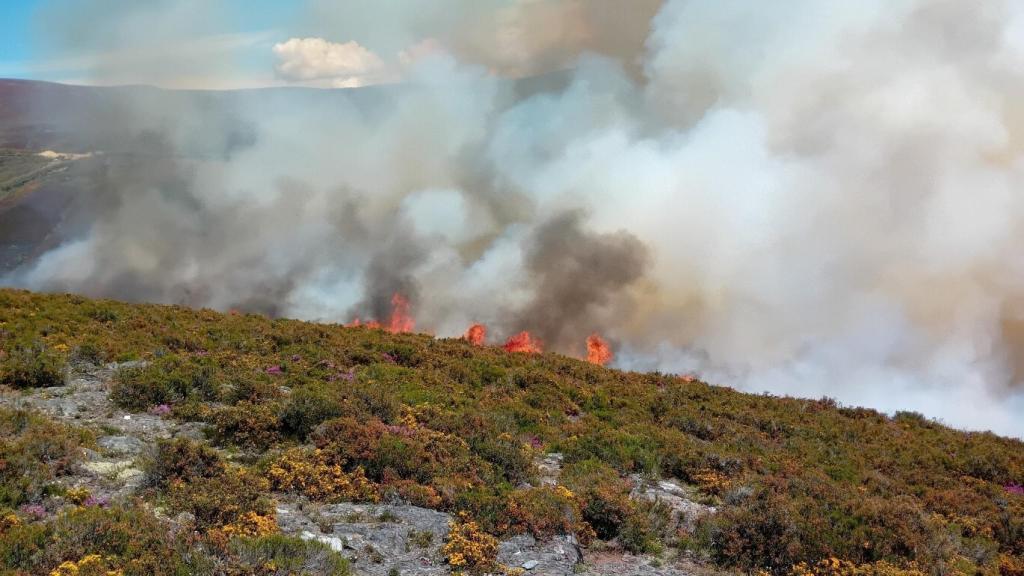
x=250, y=28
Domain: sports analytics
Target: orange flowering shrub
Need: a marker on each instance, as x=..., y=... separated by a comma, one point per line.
x=89, y=565
x=711, y=481
x=310, y=473
x=1011, y=565
x=251, y=524
x=470, y=548
x=837, y=567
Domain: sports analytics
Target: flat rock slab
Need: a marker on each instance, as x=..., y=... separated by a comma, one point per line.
x=376, y=538
x=114, y=445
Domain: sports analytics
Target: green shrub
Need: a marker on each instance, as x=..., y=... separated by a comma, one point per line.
x=545, y=512
x=308, y=407
x=254, y=426
x=33, y=366
x=167, y=380
x=129, y=538
x=21, y=545
x=288, y=555
x=762, y=533
x=34, y=452
x=223, y=499
x=605, y=496
x=512, y=459
x=182, y=460
x=645, y=528
x=89, y=352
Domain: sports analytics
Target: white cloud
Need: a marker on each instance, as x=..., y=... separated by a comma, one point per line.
x=311, y=59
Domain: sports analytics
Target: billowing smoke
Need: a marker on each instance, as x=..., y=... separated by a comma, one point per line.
x=810, y=197
x=573, y=275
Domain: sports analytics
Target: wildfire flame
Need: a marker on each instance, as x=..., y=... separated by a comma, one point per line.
x=598, y=350
x=525, y=343
x=476, y=334
x=401, y=321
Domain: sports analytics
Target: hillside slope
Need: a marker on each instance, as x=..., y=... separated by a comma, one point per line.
x=308, y=429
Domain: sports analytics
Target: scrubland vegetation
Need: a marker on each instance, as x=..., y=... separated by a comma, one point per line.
x=355, y=414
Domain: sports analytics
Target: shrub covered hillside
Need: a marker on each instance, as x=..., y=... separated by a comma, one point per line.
x=357, y=414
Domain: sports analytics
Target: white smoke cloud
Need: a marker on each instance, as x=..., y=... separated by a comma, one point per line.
x=826, y=191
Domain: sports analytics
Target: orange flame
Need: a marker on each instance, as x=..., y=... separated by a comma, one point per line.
x=476, y=334
x=598, y=350
x=525, y=343
x=401, y=321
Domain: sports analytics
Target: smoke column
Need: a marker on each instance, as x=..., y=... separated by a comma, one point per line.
x=807, y=197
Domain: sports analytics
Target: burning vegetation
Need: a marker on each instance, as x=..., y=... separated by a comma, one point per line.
x=400, y=321
x=598, y=350
x=476, y=334
x=524, y=343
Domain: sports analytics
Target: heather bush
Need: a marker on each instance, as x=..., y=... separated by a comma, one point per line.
x=278, y=554
x=126, y=539
x=645, y=528
x=253, y=426
x=182, y=460
x=512, y=459
x=308, y=407
x=763, y=533
x=604, y=495
x=32, y=366
x=220, y=500
x=406, y=451
x=34, y=452
x=89, y=352
x=167, y=380
x=547, y=511
x=619, y=448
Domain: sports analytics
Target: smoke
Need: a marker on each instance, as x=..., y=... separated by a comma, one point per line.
x=574, y=274
x=806, y=197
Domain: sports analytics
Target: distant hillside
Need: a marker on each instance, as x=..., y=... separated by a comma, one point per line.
x=543, y=452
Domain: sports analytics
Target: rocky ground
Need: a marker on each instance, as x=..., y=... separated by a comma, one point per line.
x=379, y=539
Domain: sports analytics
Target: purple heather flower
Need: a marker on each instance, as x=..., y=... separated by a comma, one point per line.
x=348, y=376
x=1015, y=489
x=34, y=510
x=101, y=502
x=274, y=369
x=161, y=410
x=389, y=358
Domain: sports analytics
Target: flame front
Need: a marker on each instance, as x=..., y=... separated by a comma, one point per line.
x=401, y=321
x=598, y=350
x=476, y=334
x=525, y=343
